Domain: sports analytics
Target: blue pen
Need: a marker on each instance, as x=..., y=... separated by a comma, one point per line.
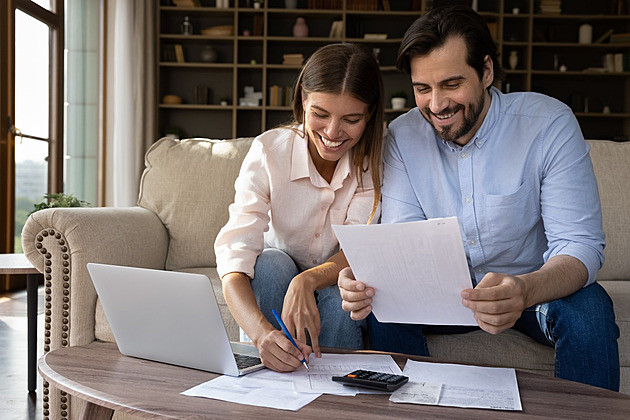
x=288, y=334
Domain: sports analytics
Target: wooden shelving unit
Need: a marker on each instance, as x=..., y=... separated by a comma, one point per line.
x=543, y=44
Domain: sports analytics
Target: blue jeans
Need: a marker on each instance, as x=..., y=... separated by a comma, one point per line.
x=273, y=272
x=581, y=326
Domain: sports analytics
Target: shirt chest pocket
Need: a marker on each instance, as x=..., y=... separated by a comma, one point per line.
x=511, y=217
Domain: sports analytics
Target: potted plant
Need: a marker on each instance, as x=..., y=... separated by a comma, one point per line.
x=225, y=100
x=59, y=200
x=399, y=100
x=258, y=4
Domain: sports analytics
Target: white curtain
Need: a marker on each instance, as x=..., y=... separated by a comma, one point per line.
x=129, y=96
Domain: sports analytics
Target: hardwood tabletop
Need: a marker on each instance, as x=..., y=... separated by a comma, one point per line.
x=16, y=264
x=101, y=375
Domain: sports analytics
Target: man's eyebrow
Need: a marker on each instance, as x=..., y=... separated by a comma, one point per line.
x=356, y=114
x=447, y=80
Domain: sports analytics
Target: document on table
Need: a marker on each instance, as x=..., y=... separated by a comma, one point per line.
x=292, y=391
x=418, y=269
x=464, y=386
x=319, y=377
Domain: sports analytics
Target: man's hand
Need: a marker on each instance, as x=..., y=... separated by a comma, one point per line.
x=299, y=312
x=497, y=302
x=357, y=298
x=279, y=354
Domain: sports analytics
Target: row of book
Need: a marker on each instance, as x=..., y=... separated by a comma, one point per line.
x=173, y=53
x=550, y=7
x=202, y=95
x=293, y=59
x=280, y=95
x=617, y=62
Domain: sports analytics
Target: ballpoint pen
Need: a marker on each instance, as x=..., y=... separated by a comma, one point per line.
x=288, y=334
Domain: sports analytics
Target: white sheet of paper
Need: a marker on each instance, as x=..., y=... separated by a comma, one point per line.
x=319, y=378
x=469, y=386
x=418, y=269
x=417, y=393
x=272, y=395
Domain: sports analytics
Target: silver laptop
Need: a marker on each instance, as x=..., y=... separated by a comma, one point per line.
x=170, y=317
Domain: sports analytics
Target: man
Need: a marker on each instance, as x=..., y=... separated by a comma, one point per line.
x=516, y=172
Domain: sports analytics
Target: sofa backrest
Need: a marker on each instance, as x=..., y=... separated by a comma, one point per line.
x=189, y=184
x=611, y=162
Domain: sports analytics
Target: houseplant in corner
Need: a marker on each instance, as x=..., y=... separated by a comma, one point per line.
x=399, y=100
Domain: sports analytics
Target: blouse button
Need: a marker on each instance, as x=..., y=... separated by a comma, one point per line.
x=314, y=261
x=317, y=235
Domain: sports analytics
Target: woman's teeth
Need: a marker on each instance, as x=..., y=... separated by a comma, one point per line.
x=329, y=143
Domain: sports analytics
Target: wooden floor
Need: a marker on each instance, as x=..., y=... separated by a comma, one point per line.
x=15, y=401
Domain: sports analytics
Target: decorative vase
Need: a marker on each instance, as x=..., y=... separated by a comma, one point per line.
x=186, y=26
x=398, y=103
x=300, y=29
x=585, y=34
x=290, y=4
x=513, y=59
x=208, y=54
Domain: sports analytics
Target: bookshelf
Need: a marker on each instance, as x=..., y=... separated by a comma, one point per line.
x=255, y=51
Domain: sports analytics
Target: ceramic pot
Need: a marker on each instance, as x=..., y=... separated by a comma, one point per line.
x=208, y=54
x=300, y=29
x=399, y=103
x=513, y=59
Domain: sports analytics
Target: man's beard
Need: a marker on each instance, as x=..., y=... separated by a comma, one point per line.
x=471, y=117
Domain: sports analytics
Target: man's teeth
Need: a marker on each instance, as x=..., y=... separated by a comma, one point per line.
x=329, y=143
x=444, y=116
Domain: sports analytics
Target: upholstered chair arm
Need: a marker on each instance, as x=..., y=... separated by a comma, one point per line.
x=61, y=241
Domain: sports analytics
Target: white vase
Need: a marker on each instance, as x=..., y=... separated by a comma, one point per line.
x=399, y=103
x=585, y=34
x=513, y=59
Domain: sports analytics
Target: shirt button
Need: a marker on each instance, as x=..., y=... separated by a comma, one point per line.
x=468, y=199
x=479, y=270
x=314, y=261
x=317, y=235
x=464, y=155
x=472, y=242
x=323, y=208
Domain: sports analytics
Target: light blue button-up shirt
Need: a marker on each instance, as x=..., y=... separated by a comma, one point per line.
x=523, y=188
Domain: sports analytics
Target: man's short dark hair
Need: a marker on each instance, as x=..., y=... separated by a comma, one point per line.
x=432, y=30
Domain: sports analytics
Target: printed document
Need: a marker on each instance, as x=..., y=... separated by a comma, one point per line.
x=417, y=269
x=463, y=385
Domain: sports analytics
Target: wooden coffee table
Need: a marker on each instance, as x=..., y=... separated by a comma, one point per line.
x=108, y=381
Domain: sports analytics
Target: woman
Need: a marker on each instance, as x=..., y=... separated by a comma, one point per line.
x=278, y=250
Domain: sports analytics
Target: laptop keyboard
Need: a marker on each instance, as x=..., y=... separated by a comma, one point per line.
x=244, y=361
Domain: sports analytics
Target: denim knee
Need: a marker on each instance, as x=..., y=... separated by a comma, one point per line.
x=337, y=328
x=273, y=273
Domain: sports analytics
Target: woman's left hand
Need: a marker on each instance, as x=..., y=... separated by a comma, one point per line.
x=300, y=313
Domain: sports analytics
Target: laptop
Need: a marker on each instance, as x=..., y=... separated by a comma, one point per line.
x=170, y=317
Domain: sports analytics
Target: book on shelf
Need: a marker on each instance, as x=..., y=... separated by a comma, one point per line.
x=622, y=38
x=201, y=95
x=168, y=53
x=362, y=4
x=604, y=36
x=179, y=53
x=293, y=59
x=336, y=29
x=374, y=36
x=186, y=3
x=258, y=25
x=324, y=4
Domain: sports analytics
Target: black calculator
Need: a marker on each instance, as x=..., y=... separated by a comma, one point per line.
x=374, y=380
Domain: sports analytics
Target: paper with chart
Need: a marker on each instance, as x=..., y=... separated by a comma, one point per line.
x=467, y=386
x=321, y=370
x=418, y=269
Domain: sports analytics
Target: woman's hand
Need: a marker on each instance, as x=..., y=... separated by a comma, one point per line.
x=300, y=313
x=278, y=353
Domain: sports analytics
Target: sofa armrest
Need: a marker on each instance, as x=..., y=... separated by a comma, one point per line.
x=61, y=241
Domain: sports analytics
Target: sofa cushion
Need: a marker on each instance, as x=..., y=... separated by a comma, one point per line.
x=610, y=162
x=189, y=184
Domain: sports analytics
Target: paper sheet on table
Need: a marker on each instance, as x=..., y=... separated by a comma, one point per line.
x=469, y=386
x=274, y=394
x=418, y=269
x=319, y=378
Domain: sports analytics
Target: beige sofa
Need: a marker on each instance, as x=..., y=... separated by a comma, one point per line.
x=184, y=194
